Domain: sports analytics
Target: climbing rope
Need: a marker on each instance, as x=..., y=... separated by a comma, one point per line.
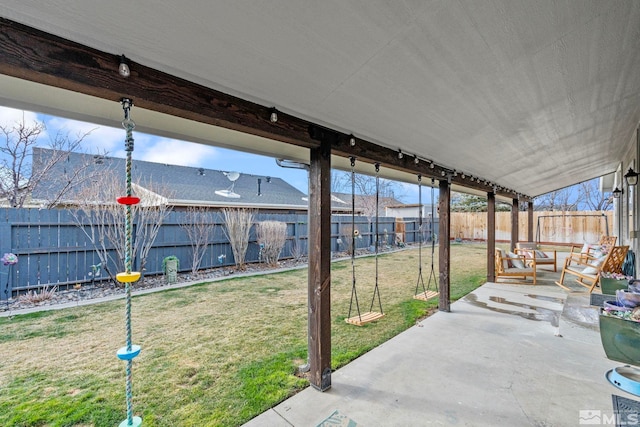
x=130, y=351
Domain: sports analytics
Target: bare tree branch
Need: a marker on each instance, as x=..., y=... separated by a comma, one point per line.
x=18, y=177
x=199, y=225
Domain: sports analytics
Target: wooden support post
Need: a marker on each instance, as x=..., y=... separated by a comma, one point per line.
x=515, y=212
x=530, y=236
x=319, y=285
x=491, y=237
x=444, y=226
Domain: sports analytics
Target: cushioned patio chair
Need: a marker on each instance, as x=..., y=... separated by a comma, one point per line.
x=513, y=266
x=532, y=252
x=592, y=250
x=588, y=273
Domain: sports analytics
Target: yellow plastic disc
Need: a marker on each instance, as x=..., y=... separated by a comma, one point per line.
x=128, y=277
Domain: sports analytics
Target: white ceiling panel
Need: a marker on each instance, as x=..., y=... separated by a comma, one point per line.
x=534, y=95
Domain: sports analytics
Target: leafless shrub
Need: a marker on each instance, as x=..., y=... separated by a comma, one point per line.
x=237, y=226
x=102, y=219
x=199, y=226
x=272, y=235
x=297, y=250
x=34, y=297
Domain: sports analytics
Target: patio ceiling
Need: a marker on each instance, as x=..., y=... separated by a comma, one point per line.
x=531, y=95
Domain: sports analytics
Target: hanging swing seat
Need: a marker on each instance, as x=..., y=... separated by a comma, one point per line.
x=426, y=295
x=370, y=316
x=364, y=318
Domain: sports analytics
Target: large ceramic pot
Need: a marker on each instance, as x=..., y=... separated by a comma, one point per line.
x=610, y=286
x=620, y=339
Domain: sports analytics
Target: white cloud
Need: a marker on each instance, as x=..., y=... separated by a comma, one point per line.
x=9, y=116
x=100, y=139
x=172, y=151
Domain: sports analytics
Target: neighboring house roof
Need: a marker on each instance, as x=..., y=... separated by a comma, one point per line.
x=363, y=203
x=180, y=185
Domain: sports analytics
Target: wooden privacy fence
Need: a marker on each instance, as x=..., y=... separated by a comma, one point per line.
x=53, y=250
x=548, y=227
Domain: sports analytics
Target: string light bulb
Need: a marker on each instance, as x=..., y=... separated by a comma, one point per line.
x=352, y=141
x=416, y=160
x=274, y=115
x=123, y=68
x=400, y=155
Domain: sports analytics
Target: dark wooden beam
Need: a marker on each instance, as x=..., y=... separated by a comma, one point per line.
x=530, y=236
x=491, y=237
x=34, y=55
x=319, y=285
x=444, y=263
x=515, y=213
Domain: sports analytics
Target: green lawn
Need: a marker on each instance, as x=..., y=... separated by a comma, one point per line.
x=212, y=354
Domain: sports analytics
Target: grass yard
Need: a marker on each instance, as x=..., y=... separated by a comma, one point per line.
x=214, y=354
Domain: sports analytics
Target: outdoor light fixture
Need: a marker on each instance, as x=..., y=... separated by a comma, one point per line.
x=352, y=141
x=274, y=115
x=400, y=155
x=631, y=177
x=617, y=193
x=123, y=69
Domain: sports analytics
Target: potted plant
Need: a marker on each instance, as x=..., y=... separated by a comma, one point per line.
x=170, y=266
x=611, y=282
x=620, y=328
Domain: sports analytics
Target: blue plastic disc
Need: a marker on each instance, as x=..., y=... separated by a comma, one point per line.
x=137, y=422
x=124, y=354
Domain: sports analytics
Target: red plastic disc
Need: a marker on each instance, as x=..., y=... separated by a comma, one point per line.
x=128, y=200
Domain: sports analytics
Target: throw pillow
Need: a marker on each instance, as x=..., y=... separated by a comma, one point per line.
x=515, y=260
x=540, y=254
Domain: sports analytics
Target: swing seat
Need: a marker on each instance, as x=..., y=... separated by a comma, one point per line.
x=368, y=317
x=426, y=295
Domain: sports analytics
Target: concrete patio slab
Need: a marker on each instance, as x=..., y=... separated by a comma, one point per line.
x=506, y=355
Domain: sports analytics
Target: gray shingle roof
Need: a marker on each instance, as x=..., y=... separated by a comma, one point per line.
x=180, y=184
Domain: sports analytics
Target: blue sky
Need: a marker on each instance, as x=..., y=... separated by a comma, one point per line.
x=171, y=151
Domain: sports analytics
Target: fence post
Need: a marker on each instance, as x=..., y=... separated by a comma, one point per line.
x=6, y=287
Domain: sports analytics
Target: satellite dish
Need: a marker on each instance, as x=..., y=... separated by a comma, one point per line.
x=233, y=177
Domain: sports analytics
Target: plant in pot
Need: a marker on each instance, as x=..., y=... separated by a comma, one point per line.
x=620, y=328
x=611, y=282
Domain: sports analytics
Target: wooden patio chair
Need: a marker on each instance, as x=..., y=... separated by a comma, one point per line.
x=532, y=252
x=590, y=251
x=510, y=267
x=588, y=273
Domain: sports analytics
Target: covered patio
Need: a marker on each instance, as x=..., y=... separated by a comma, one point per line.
x=505, y=99
x=506, y=355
